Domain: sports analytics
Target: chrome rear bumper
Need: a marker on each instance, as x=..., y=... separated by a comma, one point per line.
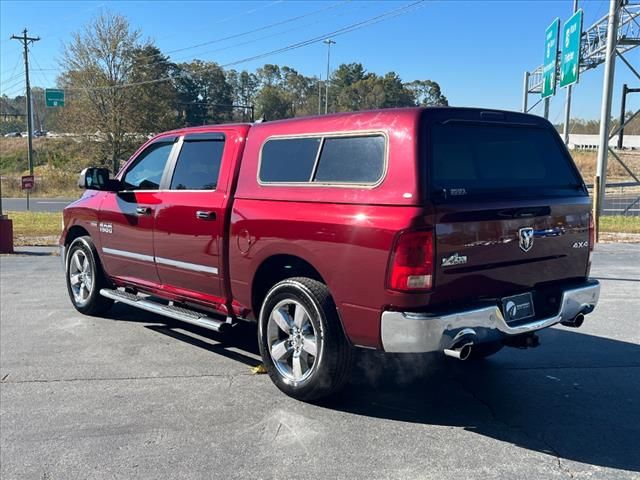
x=421, y=332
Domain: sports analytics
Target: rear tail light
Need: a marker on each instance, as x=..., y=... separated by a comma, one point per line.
x=411, y=268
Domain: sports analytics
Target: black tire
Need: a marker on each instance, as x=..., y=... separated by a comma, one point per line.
x=91, y=303
x=484, y=350
x=332, y=363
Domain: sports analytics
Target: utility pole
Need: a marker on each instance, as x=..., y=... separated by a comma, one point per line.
x=26, y=40
x=329, y=42
x=319, y=94
x=623, y=106
x=605, y=111
x=525, y=94
x=567, y=105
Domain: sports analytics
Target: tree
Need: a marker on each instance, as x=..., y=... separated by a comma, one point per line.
x=244, y=86
x=269, y=75
x=97, y=65
x=272, y=103
x=427, y=93
x=396, y=94
x=154, y=103
x=204, y=94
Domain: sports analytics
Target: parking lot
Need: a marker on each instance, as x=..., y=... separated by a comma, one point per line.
x=130, y=396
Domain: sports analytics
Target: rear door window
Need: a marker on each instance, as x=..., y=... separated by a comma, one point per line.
x=198, y=165
x=499, y=161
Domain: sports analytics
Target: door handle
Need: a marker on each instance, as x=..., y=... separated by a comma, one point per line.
x=143, y=210
x=204, y=215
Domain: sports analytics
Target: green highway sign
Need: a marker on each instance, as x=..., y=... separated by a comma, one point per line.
x=570, y=63
x=550, y=59
x=54, y=97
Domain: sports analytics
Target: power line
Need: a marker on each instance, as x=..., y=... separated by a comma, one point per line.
x=224, y=20
x=13, y=70
x=241, y=34
x=39, y=70
x=248, y=42
x=341, y=31
x=12, y=80
x=222, y=49
x=265, y=27
x=13, y=86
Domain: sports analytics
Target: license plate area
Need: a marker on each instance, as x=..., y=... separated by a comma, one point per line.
x=517, y=307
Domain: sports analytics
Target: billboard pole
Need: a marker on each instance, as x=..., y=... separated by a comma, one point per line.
x=605, y=111
x=567, y=105
x=525, y=93
x=546, y=108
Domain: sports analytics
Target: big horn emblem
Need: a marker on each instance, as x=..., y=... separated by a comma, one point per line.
x=525, y=238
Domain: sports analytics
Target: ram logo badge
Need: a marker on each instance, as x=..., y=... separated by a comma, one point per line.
x=454, y=259
x=525, y=238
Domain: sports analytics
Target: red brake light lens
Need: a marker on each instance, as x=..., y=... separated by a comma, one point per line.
x=412, y=262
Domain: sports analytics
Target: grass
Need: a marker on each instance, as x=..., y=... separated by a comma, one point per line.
x=36, y=224
x=620, y=224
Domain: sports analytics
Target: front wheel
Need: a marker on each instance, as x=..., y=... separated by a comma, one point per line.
x=301, y=340
x=85, y=278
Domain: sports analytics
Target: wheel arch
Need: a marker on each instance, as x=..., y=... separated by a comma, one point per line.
x=74, y=232
x=274, y=269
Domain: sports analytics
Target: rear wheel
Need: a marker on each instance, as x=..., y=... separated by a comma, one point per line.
x=85, y=278
x=301, y=340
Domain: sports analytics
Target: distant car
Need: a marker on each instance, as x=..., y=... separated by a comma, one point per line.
x=12, y=134
x=40, y=133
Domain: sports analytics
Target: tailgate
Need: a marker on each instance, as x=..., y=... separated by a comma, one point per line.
x=509, y=252
x=511, y=211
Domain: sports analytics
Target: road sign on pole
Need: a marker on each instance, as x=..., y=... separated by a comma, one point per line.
x=550, y=59
x=28, y=182
x=54, y=97
x=570, y=63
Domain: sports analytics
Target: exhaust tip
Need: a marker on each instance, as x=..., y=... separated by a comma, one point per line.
x=465, y=351
x=460, y=352
x=575, y=322
x=579, y=320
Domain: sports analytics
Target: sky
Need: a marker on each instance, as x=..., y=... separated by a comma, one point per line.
x=477, y=51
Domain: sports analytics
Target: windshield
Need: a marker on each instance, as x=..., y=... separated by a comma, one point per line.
x=470, y=160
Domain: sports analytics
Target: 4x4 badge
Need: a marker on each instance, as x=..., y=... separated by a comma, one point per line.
x=525, y=238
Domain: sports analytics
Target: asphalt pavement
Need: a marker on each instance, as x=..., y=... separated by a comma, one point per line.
x=36, y=204
x=130, y=396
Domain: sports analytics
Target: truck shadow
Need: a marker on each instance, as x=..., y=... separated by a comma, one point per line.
x=238, y=344
x=575, y=397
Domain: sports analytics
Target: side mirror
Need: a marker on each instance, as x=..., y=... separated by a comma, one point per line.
x=97, y=179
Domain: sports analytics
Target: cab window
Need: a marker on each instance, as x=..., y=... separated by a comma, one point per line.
x=146, y=171
x=198, y=165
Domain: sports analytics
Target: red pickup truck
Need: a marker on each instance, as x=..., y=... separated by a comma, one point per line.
x=405, y=230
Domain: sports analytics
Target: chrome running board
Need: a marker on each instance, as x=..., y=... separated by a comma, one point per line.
x=171, y=311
